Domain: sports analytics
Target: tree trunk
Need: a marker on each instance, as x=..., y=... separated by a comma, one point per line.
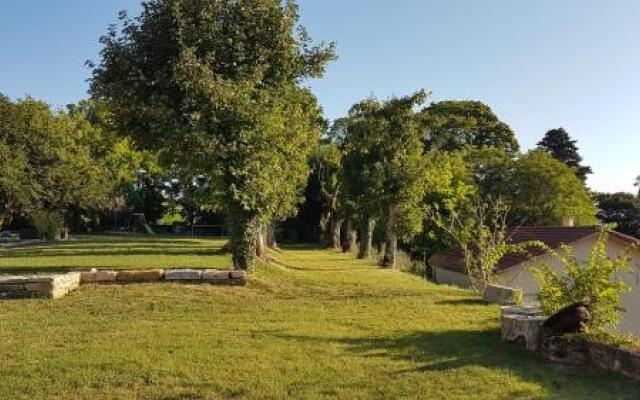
x=336, y=225
x=366, y=238
x=270, y=236
x=261, y=245
x=351, y=237
x=391, y=241
x=243, y=228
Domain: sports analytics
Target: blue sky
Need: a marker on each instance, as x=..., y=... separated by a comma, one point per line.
x=539, y=64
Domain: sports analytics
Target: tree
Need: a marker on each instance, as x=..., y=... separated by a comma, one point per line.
x=559, y=144
x=216, y=87
x=47, y=164
x=544, y=191
x=453, y=125
x=621, y=209
x=325, y=165
x=481, y=231
x=384, y=166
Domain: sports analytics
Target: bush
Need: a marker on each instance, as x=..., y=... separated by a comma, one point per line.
x=594, y=281
x=47, y=223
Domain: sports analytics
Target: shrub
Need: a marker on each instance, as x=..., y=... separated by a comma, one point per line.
x=594, y=281
x=47, y=223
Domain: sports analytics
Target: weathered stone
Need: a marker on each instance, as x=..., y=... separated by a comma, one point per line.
x=143, y=275
x=615, y=359
x=215, y=275
x=503, y=295
x=237, y=274
x=89, y=276
x=565, y=350
x=183, y=275
x=522, y=325
x=105, y=276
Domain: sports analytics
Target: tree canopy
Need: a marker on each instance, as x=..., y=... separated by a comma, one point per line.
x=559, y=144
x=452, y=125
x=216, y=87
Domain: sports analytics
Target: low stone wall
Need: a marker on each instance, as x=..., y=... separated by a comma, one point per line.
x=54, y=286
x=39, y=286
x=523, y=325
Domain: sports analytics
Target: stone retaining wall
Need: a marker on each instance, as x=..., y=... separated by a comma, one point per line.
x=523, y=325
x=54, y=286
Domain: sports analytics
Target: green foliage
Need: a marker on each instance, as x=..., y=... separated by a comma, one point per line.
x=544, y=191
x=48, y=224
x=47, y=161
x=595, y=281
x=560, y=146
x=454, y=125
x=480, y=230
x=215, y=86
x=621, y=209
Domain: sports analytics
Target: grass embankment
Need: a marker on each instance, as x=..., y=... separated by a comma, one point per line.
x=117, y=252
x=313, y=324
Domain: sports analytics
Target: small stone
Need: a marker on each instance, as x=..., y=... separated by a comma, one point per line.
x=143, y=275
x=106, y=276
x=183, y=275
x=215, y=275
x=237, y=274
x=89, y=276
x=502, y=295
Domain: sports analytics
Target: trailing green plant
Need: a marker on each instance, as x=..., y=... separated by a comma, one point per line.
x=595, y=281
x=47, y=223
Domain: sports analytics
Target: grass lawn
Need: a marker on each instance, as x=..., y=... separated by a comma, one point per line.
x=117, y=252
x=312, y=324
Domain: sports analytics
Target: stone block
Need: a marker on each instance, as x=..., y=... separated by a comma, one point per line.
x=183, y=275
x=215, y=275
x=89, y=276
x=237, y=274
x=105, y=276
x=523, y=326
x=143, y=275
x=503, y=295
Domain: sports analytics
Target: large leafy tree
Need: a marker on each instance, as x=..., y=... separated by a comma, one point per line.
x=622, y=209
x=559, y=144
x=384, y=165
x=217, y=86
x=544, y=191
x=452, y=125
x=325, y=164
x=46, y=163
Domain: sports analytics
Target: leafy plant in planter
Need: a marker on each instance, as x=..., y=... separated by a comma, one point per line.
x=595, y=281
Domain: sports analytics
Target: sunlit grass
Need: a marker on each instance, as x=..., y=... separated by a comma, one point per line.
x=116, y=251
x=312, y=324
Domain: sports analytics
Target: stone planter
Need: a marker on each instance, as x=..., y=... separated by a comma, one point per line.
x=522, y=325
x=503, y=295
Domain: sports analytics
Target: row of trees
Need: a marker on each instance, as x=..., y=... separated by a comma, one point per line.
x=405, y=172
x=201, y=105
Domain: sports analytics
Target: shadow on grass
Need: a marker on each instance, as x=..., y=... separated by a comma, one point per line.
x=456, y=349
x=121, y=252
x=463, y=302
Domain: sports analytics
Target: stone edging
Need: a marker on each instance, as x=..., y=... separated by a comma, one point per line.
x=55, y=286
x=523, y=325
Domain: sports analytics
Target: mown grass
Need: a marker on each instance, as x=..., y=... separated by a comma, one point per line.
x=312, y=324
x=115, y=251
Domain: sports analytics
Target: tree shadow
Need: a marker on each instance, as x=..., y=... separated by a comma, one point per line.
x=457, y=349
x=463, y=302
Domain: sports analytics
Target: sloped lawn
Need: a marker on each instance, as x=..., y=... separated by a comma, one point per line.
x=311, y=324
x=117, y=252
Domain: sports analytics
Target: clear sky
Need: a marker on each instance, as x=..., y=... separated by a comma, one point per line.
x=539, y=64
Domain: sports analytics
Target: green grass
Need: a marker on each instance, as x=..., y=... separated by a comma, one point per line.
x=115, y=251
x=312, y=324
